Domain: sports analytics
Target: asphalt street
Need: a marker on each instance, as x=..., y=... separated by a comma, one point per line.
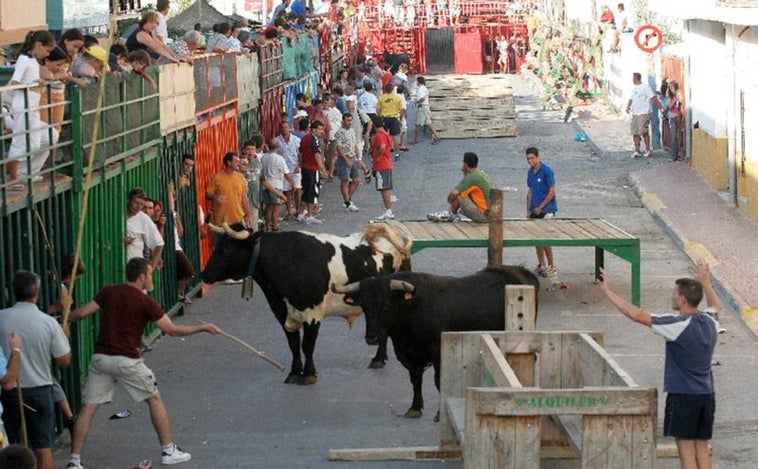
x=231, y=410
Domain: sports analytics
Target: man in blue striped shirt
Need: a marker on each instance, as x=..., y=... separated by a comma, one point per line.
x=690, y=337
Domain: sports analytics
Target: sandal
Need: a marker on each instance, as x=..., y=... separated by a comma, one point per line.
x=404, y=149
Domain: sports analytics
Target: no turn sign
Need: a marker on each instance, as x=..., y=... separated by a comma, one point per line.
x=648, y=38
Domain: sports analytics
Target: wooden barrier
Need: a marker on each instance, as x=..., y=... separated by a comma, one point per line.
x=582, y=401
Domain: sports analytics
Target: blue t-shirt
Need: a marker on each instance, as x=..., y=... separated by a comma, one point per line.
x=690, y=340
x=540, y=183
x=298, y=8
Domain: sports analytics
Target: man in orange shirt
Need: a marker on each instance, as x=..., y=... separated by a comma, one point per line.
x=228, y=192
x=471, y=196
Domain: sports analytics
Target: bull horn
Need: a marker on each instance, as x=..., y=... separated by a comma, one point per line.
x=349, y=288
x=215, y=229
x=235, y=234
x=402, y=286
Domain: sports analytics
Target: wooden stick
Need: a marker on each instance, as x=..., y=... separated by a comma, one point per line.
x=249, y=347
x=22, y=413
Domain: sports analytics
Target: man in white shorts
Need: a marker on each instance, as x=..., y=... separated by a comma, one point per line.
x=289, y=148
x=423, y=113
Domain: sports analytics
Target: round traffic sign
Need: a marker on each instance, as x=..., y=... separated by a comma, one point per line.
x=648, y=38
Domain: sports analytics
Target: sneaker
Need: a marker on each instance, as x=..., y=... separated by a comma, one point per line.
x=73, y=465
x=438, y=216
x=351, y=207
x=646, y=154
x=388, y=215
x=397, y=157
x=636, y=154
x=393, y=198
x=540, y=270
x=300, y=218
x=176, y=457
x=312, y=221
x=550, y=272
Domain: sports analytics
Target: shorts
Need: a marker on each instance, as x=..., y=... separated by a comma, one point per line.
x=689, y=416
x=310, y=185
x=542, y=216
x=344, y=173
x=297, y=178
x=403, y=125
x=423, y=115
x=641, y=124
x=471, y=210
x=105, y=371
x=383, y=178
x=184, y=269
x=40, y=425
x=271, y=198
x=58, y=394
x=392, y=125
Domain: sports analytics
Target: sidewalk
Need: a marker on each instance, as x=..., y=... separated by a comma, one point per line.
x=701, y=223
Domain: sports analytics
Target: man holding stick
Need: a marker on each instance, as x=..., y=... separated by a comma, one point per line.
x=126, y=311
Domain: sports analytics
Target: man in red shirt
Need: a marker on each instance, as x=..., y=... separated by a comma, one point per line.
x=311, y=166
x=381, y=159
x=127, y=309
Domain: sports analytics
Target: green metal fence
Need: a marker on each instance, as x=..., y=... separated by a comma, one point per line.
x=248, y=123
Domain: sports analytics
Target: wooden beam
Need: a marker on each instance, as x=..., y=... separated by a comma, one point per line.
x=598, y=368
x=456, y=410
x=410, y=453
x=495, y=248
x=495, y=363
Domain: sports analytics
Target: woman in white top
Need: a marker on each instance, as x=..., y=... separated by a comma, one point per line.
x=36, y=47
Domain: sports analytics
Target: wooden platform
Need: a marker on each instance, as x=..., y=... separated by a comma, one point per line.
x=473, y=106
x=13, y=198
x=576, y=232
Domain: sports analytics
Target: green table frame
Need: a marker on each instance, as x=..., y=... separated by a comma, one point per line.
x=559, y=232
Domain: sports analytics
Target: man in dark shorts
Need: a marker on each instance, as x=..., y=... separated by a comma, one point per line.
x=312, y=166
x=690, y=337
x=381, y=159
x=389, y=107
x=126, y=310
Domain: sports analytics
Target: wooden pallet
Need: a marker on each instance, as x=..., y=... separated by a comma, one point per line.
x=473, y=106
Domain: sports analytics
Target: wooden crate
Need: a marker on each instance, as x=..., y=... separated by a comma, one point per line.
x=177, y=97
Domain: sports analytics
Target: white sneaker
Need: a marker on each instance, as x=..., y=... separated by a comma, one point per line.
x=636, y=154
x=393, y=198
x=646, y=154
x=388, y=215
x=73, y=465
x=352, y=207
x=176, y=457
x=300, y=218
x=312, y=221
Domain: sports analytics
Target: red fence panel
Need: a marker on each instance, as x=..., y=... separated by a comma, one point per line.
x=272, y=107
x=468, y=53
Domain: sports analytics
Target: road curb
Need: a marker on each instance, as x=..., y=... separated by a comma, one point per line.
x=695, y=251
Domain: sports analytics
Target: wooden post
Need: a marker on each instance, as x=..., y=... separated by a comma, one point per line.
x=495, y=248
x=520, y=315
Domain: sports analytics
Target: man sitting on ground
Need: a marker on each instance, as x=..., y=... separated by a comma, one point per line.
x=471, y=196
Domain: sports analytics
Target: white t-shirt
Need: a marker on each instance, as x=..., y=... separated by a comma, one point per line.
x=422, y=92
x=335, y=121
x=25, y=71
x=162, y=29
x=290, y=151
x=145, y=234
x=367, y=103
x=273, y=169
x=641, y=96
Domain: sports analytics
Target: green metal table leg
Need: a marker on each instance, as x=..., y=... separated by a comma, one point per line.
x=636, y=287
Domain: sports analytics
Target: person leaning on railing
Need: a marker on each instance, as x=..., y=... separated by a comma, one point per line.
x=144, y=38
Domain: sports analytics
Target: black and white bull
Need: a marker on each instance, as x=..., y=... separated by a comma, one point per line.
x=296, y=269
x=414, y=308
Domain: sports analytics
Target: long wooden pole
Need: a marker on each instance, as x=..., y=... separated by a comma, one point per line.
x=258, y=353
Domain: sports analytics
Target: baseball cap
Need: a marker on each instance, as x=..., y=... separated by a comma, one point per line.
x=300, y=114
x=100, y=54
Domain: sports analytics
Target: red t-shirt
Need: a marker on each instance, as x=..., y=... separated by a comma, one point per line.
x=381, y=160
x=386, y=78
x=309, y=146
x=125, y=311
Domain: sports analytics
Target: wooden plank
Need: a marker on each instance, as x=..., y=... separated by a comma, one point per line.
x=619, y=441
x=570, y=376
x=598, y=368
x=572, y=428
x=453, y=230
x=610, y=230
x=411, y=453
x=572, y=229
x=452, y=384
x=435, y=230
x=520, y=308
x=489, y=439
x=550, y=378
x=594, y=441
x=527, y=443
x=456, y=410
x=418, y=229
x=644, y=443
x=587, y=401
x=502, y=374
x=515, y=229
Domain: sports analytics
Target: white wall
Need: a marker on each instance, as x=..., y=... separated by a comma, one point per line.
x=746, y=80
x=709, y=76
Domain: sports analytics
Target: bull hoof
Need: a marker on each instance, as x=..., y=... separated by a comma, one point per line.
x=437, y=416
x=293, y=378
x=412, y=414
x=376, y=364
x=308, y=380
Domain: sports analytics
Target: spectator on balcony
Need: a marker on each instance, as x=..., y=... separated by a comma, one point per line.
x=280, y=9
x=72, y=42
x=92, y=64
x=162, y=7
x=198, y=29
x=233, y=44
x=118, y=58
x=195, y=41
x=144, y=38
x=37, y=46
x=138, y=62
x=217, y=42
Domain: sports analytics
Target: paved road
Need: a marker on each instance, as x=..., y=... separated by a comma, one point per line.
x=231, y=410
